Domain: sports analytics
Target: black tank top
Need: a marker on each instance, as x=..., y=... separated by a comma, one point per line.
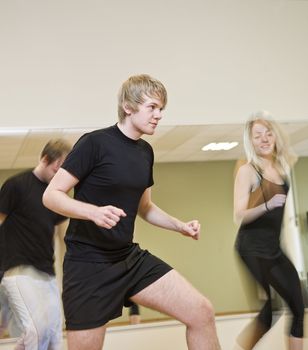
x=261, y=237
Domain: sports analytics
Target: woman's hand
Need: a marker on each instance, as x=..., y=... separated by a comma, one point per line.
x=276, y=201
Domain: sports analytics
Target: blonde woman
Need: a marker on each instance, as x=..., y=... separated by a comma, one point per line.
x=261, y=187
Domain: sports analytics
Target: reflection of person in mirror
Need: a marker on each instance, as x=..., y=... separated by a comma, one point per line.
x=111, y=170
x=261, y=187
x=27, y=255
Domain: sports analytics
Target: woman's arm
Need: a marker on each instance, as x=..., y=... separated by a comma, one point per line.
x=245, y=180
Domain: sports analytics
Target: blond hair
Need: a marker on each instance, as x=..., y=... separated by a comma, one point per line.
x=283, y=156
x=134, y=90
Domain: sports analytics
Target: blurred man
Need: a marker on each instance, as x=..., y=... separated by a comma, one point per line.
x=27, y=240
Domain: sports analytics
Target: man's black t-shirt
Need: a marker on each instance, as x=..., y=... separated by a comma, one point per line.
x=27, y=232
x=112, y=169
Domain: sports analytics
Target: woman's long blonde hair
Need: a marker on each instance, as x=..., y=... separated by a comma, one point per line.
x=284, y=158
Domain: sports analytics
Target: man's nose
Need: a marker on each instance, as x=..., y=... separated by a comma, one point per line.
x=158, y=114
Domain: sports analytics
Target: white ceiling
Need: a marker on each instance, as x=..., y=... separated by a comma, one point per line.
x=21, y=148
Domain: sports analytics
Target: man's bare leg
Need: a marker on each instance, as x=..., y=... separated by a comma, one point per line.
x=88, y=339
x=176, y=297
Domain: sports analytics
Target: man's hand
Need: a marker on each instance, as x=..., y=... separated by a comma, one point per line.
x=107, y=216
x=191, y=229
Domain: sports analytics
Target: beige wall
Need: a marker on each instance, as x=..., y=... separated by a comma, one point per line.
x=62, y=62
x=203, y=191
x=4, y=174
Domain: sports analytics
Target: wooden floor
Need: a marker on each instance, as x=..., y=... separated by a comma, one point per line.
x=170, y=335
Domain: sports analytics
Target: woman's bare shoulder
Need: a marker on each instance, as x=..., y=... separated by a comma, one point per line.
x=247, y=170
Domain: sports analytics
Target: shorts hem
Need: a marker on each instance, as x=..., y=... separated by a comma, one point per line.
x=155, y=278
x=90, y=325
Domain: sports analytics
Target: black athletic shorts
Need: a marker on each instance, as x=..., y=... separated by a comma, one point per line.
x=95, y=292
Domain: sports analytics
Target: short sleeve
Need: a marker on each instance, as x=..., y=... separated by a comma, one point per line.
x=9, y=196
x=151, y=155
x=81, y=160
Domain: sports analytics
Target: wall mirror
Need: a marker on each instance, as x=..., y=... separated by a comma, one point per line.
x=189, y=183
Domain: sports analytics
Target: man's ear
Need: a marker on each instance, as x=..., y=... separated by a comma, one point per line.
x=45, y=160
x=127, y=108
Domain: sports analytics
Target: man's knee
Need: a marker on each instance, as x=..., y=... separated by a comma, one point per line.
x=208, y=312
x=202, y=313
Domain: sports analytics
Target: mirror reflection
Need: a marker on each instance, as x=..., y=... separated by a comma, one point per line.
x=205, y=180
